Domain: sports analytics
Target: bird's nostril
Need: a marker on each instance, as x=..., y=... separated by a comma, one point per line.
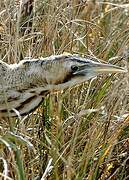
x=74, y=68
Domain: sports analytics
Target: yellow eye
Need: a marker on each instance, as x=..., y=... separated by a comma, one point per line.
x=74, y=68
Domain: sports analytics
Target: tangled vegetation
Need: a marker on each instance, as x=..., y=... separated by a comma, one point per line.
x=80, y=133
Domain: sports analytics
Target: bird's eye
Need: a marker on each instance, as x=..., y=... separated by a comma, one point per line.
x=74, y=68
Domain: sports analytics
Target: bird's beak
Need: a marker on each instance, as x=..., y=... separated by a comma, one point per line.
x=96, y=68
x=107, y=68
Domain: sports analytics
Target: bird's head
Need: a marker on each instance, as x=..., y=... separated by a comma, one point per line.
x=64, y=71
x=68, y=70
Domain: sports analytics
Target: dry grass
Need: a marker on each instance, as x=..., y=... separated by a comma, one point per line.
x=81, y=133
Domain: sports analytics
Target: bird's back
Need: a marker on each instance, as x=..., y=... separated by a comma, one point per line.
x=18, y=94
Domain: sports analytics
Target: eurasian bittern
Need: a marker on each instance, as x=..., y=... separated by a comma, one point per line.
x=23, y=85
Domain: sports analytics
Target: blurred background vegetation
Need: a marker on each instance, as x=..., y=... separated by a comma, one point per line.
x=80, y=133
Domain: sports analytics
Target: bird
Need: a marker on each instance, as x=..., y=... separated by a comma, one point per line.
x=24, y=85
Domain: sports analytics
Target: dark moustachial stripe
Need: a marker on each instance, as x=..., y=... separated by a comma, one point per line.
x=67, y=78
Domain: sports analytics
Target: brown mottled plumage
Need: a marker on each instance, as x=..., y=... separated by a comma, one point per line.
x=23, y=85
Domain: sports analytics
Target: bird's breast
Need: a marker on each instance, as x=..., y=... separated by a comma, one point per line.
x=20, y=102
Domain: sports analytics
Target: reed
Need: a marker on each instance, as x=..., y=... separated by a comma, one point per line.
x=79, y=133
